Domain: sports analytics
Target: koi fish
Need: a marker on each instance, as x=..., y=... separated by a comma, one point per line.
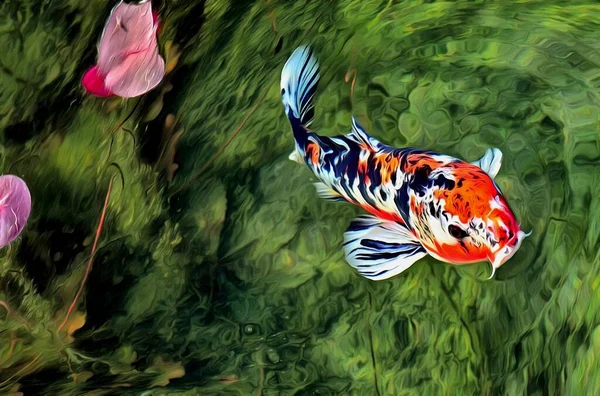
x=129, y=63
x=15, y=207
x=420, y=202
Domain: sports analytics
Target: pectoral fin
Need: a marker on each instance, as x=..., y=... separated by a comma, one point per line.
x=379, y=249
x=490, y=162
x=296, y=157
x=326, y=192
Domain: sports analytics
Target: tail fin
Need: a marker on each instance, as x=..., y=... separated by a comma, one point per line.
x=299, y=80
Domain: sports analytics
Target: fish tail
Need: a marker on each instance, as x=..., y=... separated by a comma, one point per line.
x=299, y=80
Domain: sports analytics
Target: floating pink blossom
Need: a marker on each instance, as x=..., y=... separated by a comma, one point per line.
x=15, y=207
x=129, y=63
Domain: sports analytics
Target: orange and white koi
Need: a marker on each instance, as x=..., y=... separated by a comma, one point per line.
x=420, y=202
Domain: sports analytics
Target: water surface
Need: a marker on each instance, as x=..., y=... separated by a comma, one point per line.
x=220, y=271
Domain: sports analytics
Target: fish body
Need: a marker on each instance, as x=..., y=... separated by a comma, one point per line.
x=420, y=202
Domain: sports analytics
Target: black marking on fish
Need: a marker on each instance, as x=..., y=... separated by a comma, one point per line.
x=421, y=182
x=383, y=195
x=443, y=182
x=402, y=202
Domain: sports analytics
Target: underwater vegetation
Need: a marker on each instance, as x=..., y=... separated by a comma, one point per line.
x=171, y=247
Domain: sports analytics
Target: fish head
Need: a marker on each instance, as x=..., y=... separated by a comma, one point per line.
x=462, y=217
x=503, y=233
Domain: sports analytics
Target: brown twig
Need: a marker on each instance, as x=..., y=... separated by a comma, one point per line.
x=10, y=312
x=21, y=370
x=261, y=381
x=119, y=126
x=91, y=260
x=354, y=72
x=13, y=342
x=273, y=21
x=373, y=360
x=220, y=151
x=5, y=305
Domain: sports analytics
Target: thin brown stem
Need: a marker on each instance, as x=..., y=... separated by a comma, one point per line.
x=119, y=126
x=261, y=381
x=13, y=342
x=220, y=151
x=21, y=370
x=10, y=312
x=273, y=21
x=5, y=305
x=373, y=360
x=351, y=72
x=88, y=269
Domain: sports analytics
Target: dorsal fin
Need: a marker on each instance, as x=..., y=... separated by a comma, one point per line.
x=359, y=135
x=490, y=162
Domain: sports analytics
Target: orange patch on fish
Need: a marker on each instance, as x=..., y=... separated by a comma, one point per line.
x=466, y=199
x=362, y=166
x=460, y=254
x=414, y=207
x=387, y=164
x=314, y=152
x=416, y=161
x=503, y=234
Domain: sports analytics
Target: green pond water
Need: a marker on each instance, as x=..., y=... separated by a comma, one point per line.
x=219, y=271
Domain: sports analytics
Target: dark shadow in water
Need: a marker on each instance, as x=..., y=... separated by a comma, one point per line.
x=151, y=132
x=47, y=253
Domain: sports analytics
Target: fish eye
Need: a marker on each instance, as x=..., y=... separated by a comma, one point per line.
x=457, y=232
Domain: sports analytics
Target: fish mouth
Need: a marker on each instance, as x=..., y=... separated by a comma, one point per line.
x=509, y=250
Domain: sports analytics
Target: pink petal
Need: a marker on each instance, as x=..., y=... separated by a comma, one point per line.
x=155, y=18
x=93, y=83
x=129, y=63
x=15, y=208
x=130, y=29
x=137, y=74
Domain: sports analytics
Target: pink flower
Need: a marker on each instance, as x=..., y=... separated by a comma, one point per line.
x=129, y=63
x=15, y=207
